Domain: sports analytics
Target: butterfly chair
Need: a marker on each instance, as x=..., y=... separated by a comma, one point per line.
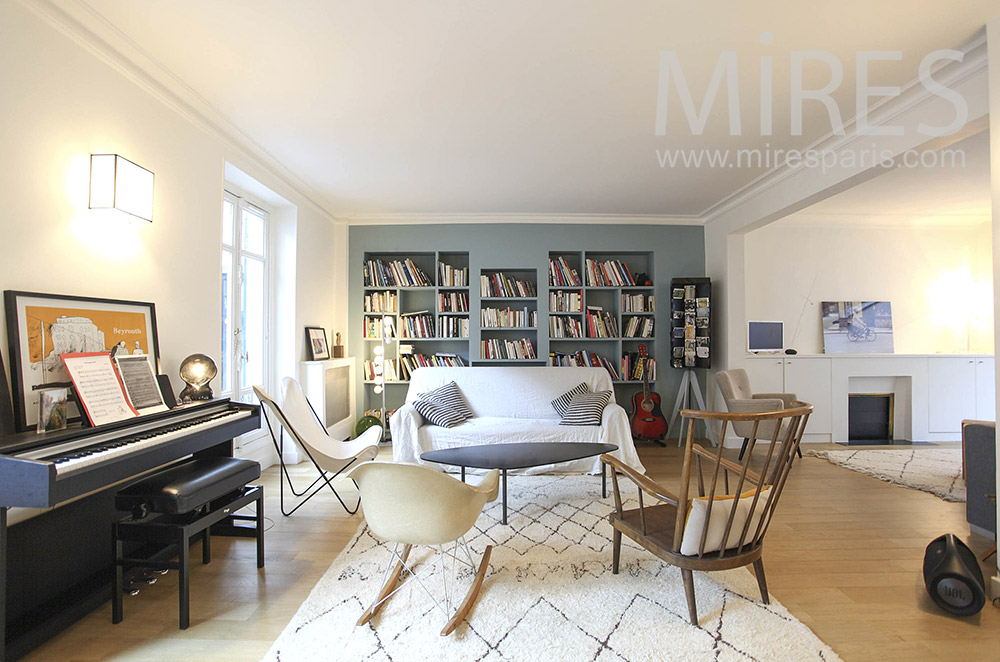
x=330, y=456
x=724, y=526
x=410, y=504
x=735, y=388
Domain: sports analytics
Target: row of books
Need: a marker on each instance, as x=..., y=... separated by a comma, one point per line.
x=496, y=348
x=630, y=367
x=497, y=317
x=410, y=362
x=394, y=370
x=453, y=327
x=417, y=325
x=639, y=327
x=382, y=302
x=449, y=276
x=611, y=273
x=560, y=273
x=374, y=327
x=638, y=303
x=565, y=327
x=633, y=365
x=453, y=302
x=583, y=359
x=601, y=325
x=395, y=273
x=565, y=302
x=390, y=372
x=499, y=285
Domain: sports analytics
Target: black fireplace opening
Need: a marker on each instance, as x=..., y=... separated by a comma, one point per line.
x=869, y=417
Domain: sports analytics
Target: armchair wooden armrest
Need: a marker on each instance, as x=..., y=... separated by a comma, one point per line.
x=645, y=484
x=728, y=464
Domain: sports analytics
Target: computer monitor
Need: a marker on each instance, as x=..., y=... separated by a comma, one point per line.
x=765, y=336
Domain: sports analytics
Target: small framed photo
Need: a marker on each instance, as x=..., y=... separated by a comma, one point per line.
x=319, y=350
x=52, y=413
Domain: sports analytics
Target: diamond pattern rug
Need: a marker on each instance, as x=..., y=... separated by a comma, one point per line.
x=549, y=595
x=934, y=470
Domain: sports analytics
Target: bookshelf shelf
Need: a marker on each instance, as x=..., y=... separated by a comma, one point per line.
x=603, y=280
x=444, y=276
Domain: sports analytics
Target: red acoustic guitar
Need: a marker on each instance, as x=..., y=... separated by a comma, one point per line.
x=646, y=418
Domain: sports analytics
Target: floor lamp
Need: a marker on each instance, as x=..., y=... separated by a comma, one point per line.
x=379, y=368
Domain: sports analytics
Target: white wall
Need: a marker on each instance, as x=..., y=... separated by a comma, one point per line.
x=793, y=265
x=61, y=102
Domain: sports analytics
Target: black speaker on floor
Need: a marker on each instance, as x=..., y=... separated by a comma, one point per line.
x=952, y=576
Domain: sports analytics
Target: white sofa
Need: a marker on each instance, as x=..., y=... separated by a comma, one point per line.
x=511, y=404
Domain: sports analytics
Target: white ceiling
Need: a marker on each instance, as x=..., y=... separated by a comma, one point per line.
x=542, y=106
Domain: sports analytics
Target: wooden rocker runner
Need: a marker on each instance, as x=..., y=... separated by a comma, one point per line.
x=396, y=496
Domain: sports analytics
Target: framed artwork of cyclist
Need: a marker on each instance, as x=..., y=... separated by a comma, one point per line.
x=857, y=327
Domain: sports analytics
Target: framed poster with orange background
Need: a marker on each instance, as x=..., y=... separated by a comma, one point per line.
x=40, y=327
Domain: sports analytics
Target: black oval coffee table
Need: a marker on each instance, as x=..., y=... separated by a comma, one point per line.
x=518, y=456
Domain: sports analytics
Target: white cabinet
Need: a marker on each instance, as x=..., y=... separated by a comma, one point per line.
x=986, y=389
x=810, y=380
x=807, y=377
x=934, y=393
x=951, y=398
x=766, y=374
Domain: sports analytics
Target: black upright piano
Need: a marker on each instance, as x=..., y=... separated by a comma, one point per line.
x=56, y=563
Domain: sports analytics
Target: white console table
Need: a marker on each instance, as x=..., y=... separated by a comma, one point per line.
x=934, y=393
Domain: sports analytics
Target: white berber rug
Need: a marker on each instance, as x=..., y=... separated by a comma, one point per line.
x=934, y=470
x=550, y=595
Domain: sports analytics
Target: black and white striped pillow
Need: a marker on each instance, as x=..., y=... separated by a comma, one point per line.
x=586, y=408
x=445, y=404
x=561, y=404
x=437, y=415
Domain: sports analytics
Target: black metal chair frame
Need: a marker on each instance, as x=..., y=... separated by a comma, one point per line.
x=324, y=478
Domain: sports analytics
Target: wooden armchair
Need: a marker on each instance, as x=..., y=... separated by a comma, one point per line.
x=724, y=526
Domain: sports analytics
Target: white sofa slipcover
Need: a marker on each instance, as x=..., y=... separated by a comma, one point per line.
x=511, y=404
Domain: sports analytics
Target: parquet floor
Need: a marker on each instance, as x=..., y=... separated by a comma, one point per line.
x=843, y=554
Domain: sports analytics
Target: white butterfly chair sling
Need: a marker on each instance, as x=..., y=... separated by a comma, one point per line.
x=409, y=504
x=724, y=526
x=330, y=456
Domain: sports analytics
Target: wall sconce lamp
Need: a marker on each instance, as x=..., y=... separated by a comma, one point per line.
x=117, y=183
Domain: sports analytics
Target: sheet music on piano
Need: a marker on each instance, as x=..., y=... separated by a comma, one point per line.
x=98, y=387
x=140, y=383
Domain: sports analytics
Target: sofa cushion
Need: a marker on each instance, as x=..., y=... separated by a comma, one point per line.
x=444, y=406
x=561, y=404
x=437, y=415
x=586, y=408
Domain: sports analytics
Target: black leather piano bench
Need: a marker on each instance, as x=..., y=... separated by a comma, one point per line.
x=169, y=508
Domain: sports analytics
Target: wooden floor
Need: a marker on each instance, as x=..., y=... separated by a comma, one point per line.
x=843, y=554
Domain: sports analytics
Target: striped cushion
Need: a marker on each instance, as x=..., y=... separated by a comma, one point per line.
x=586, y=408
x=437, y=415
x=445, y=406
x=561, y=404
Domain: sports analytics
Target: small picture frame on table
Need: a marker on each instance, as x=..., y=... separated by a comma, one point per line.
x=319, y=350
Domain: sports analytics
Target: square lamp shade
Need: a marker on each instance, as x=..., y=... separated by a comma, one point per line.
x=117, y=183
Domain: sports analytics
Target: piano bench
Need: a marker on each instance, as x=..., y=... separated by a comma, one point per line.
x=171, y=507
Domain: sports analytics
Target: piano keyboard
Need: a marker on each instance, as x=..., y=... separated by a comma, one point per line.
x=78, y=455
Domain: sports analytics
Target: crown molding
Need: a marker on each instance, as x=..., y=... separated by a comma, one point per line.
x=912, y=95
x=484, y=218
x=87, y=28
